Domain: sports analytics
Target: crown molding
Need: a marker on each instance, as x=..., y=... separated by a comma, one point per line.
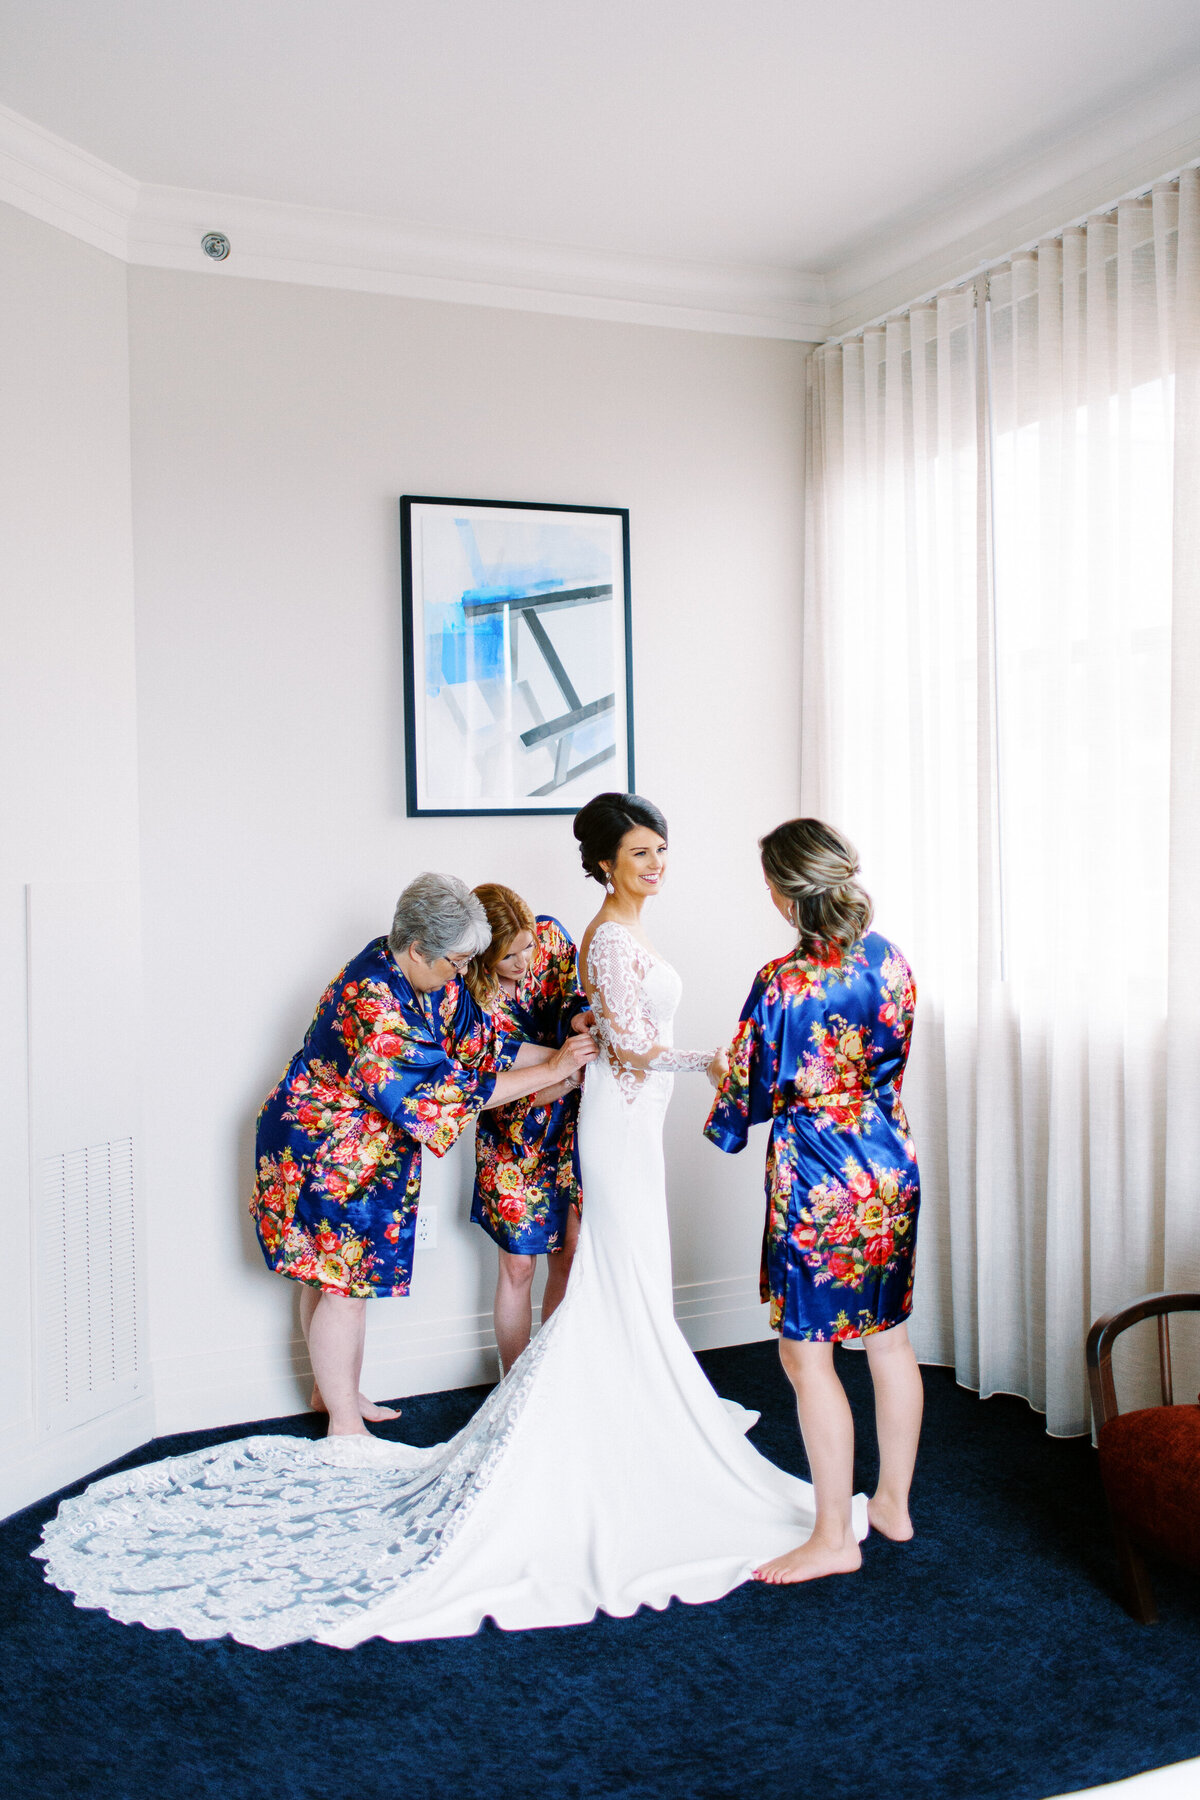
x=946, y=241
x=56, y=182
x=161, y=227
x=1147, y=140
x=371, y=255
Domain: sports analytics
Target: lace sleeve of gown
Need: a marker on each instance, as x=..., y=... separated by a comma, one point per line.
x=624, y=1026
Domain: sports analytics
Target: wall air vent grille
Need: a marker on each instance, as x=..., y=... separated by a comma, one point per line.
x=89, y=1356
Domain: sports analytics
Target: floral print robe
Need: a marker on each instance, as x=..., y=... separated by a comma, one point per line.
x=526, y=1154
x=383, y=1072
x=820, y=1052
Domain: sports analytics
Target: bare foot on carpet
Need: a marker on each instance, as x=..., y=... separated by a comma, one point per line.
x=808, y=1562
x=889, y=1520
x=372, y=1413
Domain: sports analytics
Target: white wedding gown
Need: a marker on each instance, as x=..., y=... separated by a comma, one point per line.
x=602, y=1473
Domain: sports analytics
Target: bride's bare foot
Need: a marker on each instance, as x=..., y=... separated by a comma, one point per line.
x=370, y=1410
x=889, y=1519
x=808, y=1562
x=348, y=1431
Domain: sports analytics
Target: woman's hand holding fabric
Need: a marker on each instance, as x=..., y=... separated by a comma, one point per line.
x=574, y=1056
x=571, y=1060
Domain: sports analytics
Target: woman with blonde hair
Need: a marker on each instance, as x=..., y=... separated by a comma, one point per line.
x=527, y=1193
x=820, y=1054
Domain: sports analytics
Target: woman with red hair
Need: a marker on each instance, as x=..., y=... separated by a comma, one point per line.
x=527, y=1195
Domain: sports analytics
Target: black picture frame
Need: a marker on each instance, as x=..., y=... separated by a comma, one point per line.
x=518, y=693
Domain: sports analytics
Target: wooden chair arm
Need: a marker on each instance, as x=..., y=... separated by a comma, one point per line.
x=1105, y=1332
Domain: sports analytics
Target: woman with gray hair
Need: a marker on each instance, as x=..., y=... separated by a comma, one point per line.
x=398, y=1058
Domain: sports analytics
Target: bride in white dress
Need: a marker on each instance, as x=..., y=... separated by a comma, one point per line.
x=602, y=1473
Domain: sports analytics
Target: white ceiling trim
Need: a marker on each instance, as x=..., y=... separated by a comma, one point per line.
x=1131, y=148
x=347, y=250
x=161, y=227
x=62, y=185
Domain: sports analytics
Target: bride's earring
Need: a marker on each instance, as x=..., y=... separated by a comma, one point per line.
x=608, y=886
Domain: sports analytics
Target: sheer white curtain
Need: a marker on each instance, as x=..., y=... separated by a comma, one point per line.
x=1002, y=645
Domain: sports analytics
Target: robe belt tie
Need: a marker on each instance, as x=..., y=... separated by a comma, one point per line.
x=789, y=1098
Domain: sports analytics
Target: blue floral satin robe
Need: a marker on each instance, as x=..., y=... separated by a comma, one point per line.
x=382, y=1073
x=526, y=1154
x=820, y=1052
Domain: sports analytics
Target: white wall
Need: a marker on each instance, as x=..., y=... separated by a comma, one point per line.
x=274, y=428
x=68, y=751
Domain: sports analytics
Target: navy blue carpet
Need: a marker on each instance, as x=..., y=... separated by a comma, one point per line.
x=989, y=1658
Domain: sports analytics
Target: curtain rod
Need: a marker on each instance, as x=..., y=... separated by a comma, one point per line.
x=995, y=262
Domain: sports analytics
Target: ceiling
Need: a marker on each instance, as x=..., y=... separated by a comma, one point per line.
x=773, y=134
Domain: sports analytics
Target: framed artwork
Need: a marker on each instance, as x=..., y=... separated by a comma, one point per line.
x=518, y=668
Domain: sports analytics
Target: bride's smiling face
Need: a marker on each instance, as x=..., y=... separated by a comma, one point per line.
x=640, y=865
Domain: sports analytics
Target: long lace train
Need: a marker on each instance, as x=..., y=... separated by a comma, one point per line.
x=275, y=1539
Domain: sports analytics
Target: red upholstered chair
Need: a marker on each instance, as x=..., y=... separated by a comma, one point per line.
x=1149, y=1460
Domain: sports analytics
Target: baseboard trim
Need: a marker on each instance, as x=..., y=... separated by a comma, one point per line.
x=45, y=1466
x=715, y=1314
x=234, y=1385
x=230, y=1386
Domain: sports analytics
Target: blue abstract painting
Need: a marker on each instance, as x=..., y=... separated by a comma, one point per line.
x=517, y=655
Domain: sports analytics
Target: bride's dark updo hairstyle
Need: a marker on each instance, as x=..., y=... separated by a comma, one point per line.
x=813, y=867
x=602, y=823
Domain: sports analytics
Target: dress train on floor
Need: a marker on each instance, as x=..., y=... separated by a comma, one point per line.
x=603, y=1474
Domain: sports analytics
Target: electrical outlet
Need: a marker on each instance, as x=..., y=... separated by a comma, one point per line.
x=427, y=1228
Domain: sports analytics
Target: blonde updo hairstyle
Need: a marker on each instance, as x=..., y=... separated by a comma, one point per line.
x=508, y=915
x=813, y=867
